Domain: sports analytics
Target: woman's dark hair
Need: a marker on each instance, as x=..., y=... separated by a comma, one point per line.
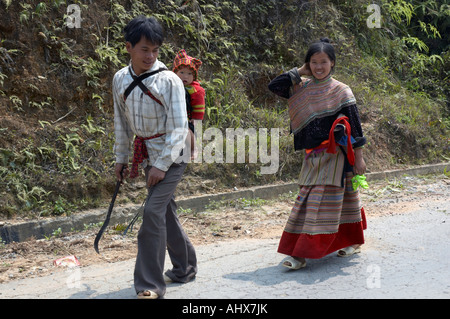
x=141, y=26
x=323, y=45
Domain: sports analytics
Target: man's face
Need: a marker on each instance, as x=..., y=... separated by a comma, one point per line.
x=143, y=55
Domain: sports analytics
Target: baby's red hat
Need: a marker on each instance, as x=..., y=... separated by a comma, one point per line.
x=182, y=59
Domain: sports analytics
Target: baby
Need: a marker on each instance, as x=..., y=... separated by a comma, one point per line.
x=186, y=68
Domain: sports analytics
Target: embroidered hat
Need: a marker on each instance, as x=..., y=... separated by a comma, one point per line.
x=182, y=59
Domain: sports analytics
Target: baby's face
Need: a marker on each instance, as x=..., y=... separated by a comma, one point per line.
x=186, y=75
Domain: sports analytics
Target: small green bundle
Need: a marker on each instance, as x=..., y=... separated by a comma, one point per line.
x=359, y=180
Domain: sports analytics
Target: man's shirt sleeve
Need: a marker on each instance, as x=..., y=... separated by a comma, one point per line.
x=123, y=132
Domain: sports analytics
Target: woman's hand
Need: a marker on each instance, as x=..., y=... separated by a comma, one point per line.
x=305, y=70
x=360, y=165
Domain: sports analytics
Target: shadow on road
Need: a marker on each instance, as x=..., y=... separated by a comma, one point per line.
x=316, y=271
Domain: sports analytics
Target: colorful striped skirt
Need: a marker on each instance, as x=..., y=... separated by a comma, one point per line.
x=324, y=219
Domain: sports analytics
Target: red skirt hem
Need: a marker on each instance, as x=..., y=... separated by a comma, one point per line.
x=320, y=245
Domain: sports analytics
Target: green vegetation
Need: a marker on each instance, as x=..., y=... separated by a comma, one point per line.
x=56, y=118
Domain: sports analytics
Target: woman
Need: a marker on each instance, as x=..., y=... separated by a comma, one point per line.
x=327, y=215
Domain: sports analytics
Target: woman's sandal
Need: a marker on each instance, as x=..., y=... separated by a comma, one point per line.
x=348, y=251
x=147, y=294
x=292, y=263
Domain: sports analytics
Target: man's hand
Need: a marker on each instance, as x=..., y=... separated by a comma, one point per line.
x=118, y=170
x=155, y=175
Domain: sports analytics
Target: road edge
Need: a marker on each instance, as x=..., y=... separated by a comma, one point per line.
x=40, y=229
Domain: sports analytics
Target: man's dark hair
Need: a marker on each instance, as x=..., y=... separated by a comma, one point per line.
x=141, y=26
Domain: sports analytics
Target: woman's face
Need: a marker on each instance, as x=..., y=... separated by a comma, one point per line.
x=320, y=65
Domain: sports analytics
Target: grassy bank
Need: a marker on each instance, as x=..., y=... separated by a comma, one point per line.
x=56, y=104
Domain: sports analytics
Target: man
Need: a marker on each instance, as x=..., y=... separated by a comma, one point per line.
x=156, y=114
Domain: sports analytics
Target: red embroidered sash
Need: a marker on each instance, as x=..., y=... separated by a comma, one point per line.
x=140, y=153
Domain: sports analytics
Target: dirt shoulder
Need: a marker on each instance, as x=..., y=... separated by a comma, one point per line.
x=223, y=221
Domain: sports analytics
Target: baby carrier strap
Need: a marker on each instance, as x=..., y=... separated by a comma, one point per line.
x=137, y=81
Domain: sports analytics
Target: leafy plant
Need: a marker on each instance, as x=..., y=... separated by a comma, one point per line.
x=398, y=72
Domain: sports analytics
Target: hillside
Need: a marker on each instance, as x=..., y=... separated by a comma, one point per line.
x=56, y=114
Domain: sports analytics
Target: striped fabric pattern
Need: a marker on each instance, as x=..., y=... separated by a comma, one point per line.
x=320, y=209
x=182, y=59
x=197, y=94
x=316, y=99
x=322, y=168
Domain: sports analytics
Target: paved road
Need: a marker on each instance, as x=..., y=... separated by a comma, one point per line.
x=406, y=256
